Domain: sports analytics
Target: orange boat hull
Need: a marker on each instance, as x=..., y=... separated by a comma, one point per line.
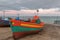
x=27, y=24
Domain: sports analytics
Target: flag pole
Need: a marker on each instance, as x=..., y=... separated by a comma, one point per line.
x=37, y=12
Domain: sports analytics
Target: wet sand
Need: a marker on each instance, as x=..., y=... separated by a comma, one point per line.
x=50, y=32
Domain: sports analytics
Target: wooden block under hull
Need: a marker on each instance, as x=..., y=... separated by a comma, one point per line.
x=4, y=25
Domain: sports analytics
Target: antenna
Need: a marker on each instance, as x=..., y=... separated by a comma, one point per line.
x=18, y=14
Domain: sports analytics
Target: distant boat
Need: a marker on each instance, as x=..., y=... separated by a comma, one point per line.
x=57, y=22
x=4, y=22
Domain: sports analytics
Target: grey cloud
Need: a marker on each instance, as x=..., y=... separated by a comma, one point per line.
x=43, y=4
x=32, y=4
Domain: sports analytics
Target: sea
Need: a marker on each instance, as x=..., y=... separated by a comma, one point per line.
x=45, y=19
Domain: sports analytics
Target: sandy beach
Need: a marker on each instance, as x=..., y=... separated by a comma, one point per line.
x=50, y=32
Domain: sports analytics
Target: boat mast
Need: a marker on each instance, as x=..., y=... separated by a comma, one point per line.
x=3, y=14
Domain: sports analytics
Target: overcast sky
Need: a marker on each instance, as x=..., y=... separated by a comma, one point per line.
x=43, y=5
x=31, y=4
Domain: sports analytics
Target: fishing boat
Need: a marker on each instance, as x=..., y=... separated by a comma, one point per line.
x=21, y=28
